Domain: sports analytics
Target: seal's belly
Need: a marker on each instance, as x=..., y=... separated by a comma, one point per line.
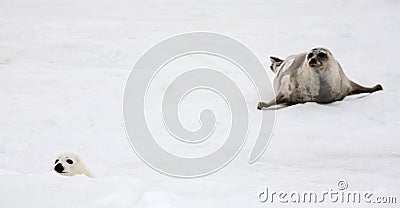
x=320, y=89
x=325, y=93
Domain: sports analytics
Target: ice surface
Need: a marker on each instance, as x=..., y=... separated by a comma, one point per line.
x=63, y=66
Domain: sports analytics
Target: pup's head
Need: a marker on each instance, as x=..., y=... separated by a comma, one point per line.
x=69, y=164
x=317, y=58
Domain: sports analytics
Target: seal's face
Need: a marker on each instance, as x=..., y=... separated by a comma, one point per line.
x=318, y=57
x=66, y=164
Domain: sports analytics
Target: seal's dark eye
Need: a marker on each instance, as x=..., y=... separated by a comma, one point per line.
x=310, y=55
x=69, y=161
x=56, y=161
x=322, y=55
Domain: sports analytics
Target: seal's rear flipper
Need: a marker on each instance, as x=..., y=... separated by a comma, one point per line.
x=275, y=63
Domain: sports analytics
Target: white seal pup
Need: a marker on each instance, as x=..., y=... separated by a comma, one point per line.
x=69, y=164
x=314, y=76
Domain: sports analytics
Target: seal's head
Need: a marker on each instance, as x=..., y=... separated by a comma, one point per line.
x=317, y=58
x=69, y=164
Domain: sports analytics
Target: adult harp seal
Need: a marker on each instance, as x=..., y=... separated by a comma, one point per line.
x=314, y=76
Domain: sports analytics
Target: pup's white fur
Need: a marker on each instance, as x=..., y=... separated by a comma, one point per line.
x=69, y=164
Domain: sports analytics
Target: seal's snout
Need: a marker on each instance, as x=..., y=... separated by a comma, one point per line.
x=314, y=62
x=59, y=168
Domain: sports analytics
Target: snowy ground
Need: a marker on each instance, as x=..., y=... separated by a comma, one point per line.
x=63, y=66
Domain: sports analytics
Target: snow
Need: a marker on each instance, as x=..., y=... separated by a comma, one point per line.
x=63, y=66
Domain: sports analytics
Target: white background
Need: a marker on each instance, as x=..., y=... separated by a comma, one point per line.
x=63, y=66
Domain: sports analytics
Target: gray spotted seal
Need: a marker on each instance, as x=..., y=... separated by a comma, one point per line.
x=314, y=76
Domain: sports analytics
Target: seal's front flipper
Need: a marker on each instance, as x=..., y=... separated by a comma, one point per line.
x=280, y=99
x=358, y=89
x=262, y=105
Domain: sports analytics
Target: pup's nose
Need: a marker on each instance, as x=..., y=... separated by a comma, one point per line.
x=59, y=168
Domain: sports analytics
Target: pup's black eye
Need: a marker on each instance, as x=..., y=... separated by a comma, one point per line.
x=56, y=161
x=310, y=55
x=322, y=55
x=69, y=161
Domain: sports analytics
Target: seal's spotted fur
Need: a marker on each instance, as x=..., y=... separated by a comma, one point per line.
x=314, y=76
